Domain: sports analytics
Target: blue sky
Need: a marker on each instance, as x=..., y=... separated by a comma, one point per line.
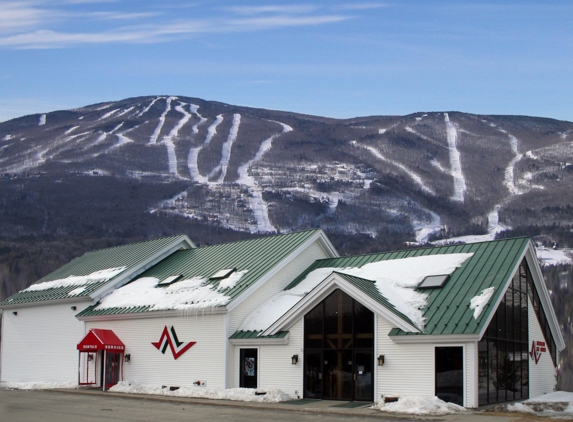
x=330, y=58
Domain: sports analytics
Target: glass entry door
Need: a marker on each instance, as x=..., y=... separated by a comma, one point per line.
x=249, y=368
x=112, y=369
x=363, y=375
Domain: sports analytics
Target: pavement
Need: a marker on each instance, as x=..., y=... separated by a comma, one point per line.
x=321, y=407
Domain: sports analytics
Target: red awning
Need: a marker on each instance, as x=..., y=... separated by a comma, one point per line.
x=98, y=339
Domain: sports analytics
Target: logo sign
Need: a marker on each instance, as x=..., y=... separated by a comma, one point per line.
x=169, y=338
x=537, y=347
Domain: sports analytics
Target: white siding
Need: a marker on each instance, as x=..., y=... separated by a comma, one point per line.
x=273, y=286
x=204, y=361
x=541, y=375
x=39, y=343
x=276, y=365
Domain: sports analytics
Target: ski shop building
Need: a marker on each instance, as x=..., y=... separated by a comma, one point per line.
x=472, y=324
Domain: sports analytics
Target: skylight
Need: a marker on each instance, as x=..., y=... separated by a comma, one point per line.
x=170, y=280
x=433, y=281
x=222, y=273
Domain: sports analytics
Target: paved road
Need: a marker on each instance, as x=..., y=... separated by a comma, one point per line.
x=50, y=406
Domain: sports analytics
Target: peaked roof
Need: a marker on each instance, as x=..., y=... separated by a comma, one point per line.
x=126, y=259
x=254, y=258
x=448, y=308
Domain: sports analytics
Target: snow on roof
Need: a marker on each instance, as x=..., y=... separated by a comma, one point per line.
x=73, y=280
x=395, y=280
x=477, y=303
x=192, y=293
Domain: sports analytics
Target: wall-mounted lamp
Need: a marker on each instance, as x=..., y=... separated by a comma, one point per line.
x=15, y=313
x=90, y=357
x=294, y=359
x=381, y=360
x=127, y=358
x=73, y=308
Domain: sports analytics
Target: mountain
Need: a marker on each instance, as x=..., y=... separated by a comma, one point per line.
x=122, y=171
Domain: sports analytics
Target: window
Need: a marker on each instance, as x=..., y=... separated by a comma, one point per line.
x=433, y=281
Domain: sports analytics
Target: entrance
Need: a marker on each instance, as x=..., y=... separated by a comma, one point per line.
x=249, y=368
x=450, y=374
x=112, y=367
x=339, y=350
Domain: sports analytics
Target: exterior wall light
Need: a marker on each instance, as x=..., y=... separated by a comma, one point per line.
x=15, y=313
x=381, y=360
x=73, y=308
x=127, y=358
x=90, y=357
x=294, y=359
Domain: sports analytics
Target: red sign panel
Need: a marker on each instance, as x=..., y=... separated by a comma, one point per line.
x=98, y=339
x=537, y=347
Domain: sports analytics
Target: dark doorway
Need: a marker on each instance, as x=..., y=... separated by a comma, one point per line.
x=450, y=374
x=339, y=350
x=112, y=368
x=249, y=368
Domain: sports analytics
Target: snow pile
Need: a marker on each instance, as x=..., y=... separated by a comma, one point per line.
x=230, y=281
x=272, y=395
x=477, y=303
x=187, y=294
x=420, y=405
x=74, y=280
x=559, y=402
x=37, y=385
x=395, y=280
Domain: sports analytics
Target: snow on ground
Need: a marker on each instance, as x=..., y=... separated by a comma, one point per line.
x=226, y=150
x=194, y=152
x=74, y=280
x=70, y=130
x=493, y=227
x=420, y=405
x=146, y=109
x=42, y=120
x=455, y=162
x=37, y=385
x=108, y=114
x=477, y=303
x=256, y=202
x=556, y=404
x=157, y=131
x=125, y=111
x=395, y=280
x=548, y=256
x=168, y=139
x=187, y=294
x=509, y=180
x=195, y=128
x=417, y=179
x=423, y=231
x=273, y=395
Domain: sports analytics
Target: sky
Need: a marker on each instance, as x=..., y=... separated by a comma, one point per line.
x=330, y=58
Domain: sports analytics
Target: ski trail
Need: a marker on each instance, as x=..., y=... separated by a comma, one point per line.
x=256, y=201
x=157, y=131
x=194, y=152
x=42, y=120
x=108, y=114
x=226, y=150
x=195, y=128
x=127, y=110
x=509, y=174
x=168, y=139
x=417, y=179
x=455, y=162
x=146, y=109
x=423, y=231
x=103, y=137
x=70, y=130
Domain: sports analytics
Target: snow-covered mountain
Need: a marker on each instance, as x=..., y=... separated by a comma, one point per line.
x=419, y=177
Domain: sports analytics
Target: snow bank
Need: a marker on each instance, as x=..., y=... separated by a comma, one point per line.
x=420, y=405
x=554, y=404
x=37, y=385
x=477, y=303
x=73, y=280
x=187, y=294
x=395, y=280
x=273, y=395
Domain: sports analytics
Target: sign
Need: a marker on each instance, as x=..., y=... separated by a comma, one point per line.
x=537, y=347
x=169, y=338
x=99, y=339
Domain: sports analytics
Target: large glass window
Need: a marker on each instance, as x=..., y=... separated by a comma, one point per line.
x=339, y=349
x=503, y=351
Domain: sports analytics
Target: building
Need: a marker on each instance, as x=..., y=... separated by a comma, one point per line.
x=472, y=323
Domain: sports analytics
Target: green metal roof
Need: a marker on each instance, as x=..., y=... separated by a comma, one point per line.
x=257, y=256
x=255, y=334
x=129, y=256
x=447, y=310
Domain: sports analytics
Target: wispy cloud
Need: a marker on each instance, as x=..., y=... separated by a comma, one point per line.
x=360, y=6
x=38, y=27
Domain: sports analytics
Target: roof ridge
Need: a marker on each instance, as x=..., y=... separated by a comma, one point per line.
x=260, y=238
x=134, y=243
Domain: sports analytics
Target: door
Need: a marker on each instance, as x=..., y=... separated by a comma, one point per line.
x=248, y=368
x=363, y=375
x=313, y=375
x=112, y=368
x=338, y=374
x=450, y=374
